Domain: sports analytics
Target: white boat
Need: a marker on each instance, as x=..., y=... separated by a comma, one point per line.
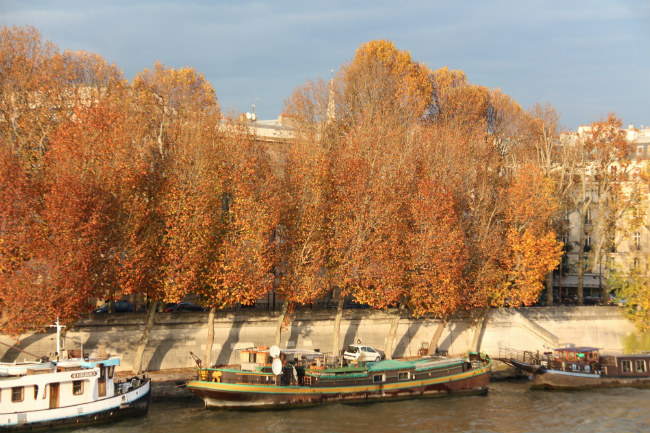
x=47, y=394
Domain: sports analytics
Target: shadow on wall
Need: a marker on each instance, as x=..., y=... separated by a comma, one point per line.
x=299, y=329
x=227, y=348
x=448, y=342
x=14, y=353
x=162, y=348
x=350, y=334
x=404, y=344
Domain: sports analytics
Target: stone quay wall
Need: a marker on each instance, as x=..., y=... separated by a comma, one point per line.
x=175, y=335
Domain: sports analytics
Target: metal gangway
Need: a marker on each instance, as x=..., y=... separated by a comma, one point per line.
x=506, y=354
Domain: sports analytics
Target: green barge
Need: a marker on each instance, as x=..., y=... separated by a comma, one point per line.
x=274, y=378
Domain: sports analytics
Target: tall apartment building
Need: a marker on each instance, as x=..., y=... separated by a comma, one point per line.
x=631, y=244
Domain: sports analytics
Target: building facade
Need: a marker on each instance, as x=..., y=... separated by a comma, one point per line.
x=627, y=227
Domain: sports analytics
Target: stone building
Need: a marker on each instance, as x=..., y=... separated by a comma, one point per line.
x=631, y=236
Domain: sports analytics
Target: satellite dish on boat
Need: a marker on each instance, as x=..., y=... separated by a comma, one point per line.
x=276, y=366
x=274, y=351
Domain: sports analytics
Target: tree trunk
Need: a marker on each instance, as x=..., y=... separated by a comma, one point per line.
x=144, y=339
x=480, y=327
x=388, y=350
x=549, y=287
x=278, y=326
x=433, y=345
x=581, y=261
x=207, y=359
x=337, y=326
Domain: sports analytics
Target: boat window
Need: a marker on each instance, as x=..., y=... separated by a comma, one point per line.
x=626, y=366
x=404, y=375
x=35, y=391
x=378, y=378
x=45, y=392
x=111, y=371
x=640, y=366
x=588, y=368
x=575, y=367
x=17, y=394
x=77, y=387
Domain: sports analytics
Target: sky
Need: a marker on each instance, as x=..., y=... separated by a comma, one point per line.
x=586, y=58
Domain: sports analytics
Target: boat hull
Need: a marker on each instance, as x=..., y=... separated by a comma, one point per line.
x=551, y=379
x=225, y=395
x=133, y=403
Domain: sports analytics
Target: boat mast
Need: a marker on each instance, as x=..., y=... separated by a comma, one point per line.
x=58, y=327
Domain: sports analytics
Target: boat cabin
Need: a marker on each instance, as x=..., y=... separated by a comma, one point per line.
x=577, y=354
x=47, y=385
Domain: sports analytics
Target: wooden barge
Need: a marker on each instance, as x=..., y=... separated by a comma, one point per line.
x=274, y=378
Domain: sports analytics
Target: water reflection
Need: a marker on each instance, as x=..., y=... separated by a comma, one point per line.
x=508, y=407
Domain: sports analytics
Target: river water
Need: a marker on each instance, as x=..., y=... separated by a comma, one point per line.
x=508, y=407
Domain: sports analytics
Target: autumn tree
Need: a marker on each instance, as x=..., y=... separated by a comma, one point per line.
x=176, y=108
x=556, y=161
x=436, y=283
x=220, y=237
x=373, y=102
x=88, y=169
x=630, y=277
x=608, y=152
x=597, y=194
x=408, y=151
x=42, y=92
x=301, y=237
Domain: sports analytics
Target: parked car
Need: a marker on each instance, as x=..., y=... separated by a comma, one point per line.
x=361, y=352
x=356, y=305
x=118, y=307
x=184, y=306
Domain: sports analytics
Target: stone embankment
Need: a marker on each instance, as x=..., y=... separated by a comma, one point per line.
x=175, y=335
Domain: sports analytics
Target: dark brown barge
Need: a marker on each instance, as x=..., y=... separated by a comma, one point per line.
x=585, y=367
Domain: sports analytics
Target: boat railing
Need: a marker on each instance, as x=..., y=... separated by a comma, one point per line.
x=526, y=356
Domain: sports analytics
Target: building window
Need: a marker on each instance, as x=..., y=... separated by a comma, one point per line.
x=403, y=375
x=378, y=378
x=77, y=387
x=635, y=263
x=566, y=215
x=588, y=216
x=626, y=366
x=17, y=394
x=637, y=241
x=565, y=238
x=587, y=247
x=639, y=150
